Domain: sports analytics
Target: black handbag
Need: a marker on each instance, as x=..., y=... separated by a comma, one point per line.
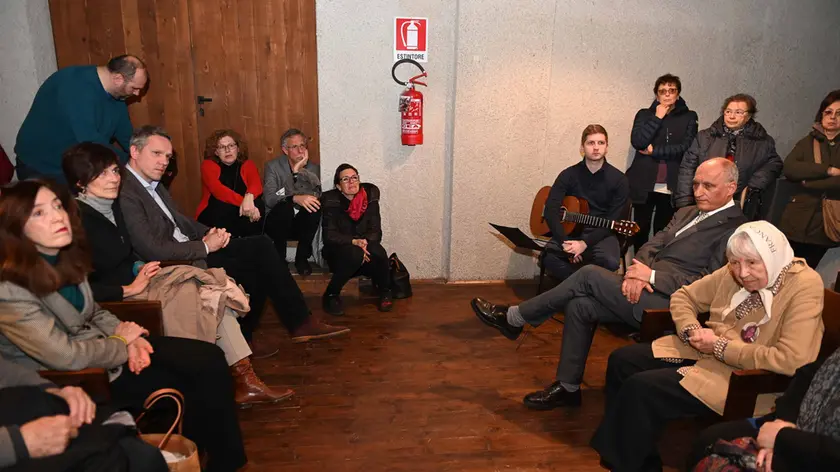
x=400, y=279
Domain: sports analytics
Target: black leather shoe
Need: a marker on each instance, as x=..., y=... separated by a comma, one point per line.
x=553, y=396
x=303, y=267
x=333, y=305
x=495, y=316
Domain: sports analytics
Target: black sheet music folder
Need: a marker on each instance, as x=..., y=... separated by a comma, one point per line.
x=517, y=237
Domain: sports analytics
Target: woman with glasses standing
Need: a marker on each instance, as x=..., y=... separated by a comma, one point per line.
x=230, y=185
x=353, y=238
x=661, y=134
x=802, y=220
x=739, y=138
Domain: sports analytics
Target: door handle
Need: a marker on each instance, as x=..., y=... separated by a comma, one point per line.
x=201, y=99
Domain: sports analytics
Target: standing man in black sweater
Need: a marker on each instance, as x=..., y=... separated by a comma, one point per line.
x=606, y=189
x=661, y=135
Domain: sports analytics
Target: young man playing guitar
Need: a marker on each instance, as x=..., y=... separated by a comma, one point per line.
x=606, y=189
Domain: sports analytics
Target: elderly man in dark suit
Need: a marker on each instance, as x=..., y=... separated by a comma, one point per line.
x=159, y=232
x=690, y=247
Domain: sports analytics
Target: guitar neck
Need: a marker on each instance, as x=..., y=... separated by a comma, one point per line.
x=589, y=220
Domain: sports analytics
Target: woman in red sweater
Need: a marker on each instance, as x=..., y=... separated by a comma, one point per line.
x=231, y=186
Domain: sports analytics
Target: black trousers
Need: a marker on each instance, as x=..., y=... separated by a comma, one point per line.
x=346, y=261
x=255, y=263
x=812, y=253
x=225, y=215
x=282, y=225
x=199, y=371
x=605, y=253
x=643, y=214
x=642, y=394
x=98, y=448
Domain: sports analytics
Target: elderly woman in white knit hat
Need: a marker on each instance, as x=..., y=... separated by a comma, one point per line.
x=765, y=312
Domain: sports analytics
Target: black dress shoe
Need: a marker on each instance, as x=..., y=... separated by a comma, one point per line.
x=495, y=316
x=333, y=305
x=553, y=396
x=303, y=267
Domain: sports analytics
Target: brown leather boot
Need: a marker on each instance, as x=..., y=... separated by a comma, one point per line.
x=313, y=329
x=250, y=389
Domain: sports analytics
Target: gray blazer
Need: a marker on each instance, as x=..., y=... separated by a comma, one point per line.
x=699, y=251
x=151, y=231
x=279, y=184
x=49, y=333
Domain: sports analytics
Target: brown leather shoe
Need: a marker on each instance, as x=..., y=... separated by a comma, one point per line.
x=250, y=389
x=313, y=329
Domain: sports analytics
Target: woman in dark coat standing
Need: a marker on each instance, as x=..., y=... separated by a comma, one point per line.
x=353, y=238
x=739, y=138
x=802, y=220
x=661, y=134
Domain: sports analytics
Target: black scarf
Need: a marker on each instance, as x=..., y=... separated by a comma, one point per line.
x=731, y=136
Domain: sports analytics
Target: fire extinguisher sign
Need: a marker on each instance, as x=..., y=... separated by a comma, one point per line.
x=411, y=37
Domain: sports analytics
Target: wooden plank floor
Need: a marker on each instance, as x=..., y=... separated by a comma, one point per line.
x=425, y=387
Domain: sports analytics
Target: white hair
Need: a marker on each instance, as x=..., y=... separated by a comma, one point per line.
x=741, y=246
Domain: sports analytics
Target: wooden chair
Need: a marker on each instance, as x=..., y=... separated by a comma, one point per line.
x=746, y=385
x=94, y=381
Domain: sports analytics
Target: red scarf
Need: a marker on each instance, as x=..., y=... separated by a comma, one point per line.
x=358, y=205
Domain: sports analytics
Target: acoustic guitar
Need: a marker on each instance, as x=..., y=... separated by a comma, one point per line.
x=575, y=216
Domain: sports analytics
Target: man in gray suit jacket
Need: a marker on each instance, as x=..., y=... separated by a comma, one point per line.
x=691, y=246
x=293, y=183
x=159, y=232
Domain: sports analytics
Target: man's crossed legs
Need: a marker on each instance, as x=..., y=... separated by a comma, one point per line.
x=590, y=296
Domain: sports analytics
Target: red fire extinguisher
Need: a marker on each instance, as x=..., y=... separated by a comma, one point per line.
x=411, y=105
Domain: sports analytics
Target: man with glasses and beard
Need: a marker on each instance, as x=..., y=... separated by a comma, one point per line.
x=78, y=104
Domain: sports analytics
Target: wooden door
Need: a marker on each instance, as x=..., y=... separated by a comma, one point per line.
x=255, y=58
x=257, y=61
x=157, y=31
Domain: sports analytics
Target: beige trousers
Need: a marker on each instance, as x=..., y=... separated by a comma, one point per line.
x=229, y=338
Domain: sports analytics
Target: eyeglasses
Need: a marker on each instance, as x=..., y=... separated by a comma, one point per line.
x=828, y=113
x=667, y=91
x=738, y=113
x=297, y=147
x=229, y=147
x=350, y=178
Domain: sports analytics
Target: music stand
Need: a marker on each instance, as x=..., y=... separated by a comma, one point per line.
x=518, y=238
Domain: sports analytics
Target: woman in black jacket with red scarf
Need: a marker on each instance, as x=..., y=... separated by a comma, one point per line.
x=353, y=238
x=661, y=134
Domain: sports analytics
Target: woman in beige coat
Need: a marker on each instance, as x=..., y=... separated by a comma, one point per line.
x=765, y=313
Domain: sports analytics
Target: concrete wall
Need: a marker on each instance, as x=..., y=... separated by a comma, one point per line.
x=360, y=123
x=511, y=86
x=527, y=78
x=27, y=58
